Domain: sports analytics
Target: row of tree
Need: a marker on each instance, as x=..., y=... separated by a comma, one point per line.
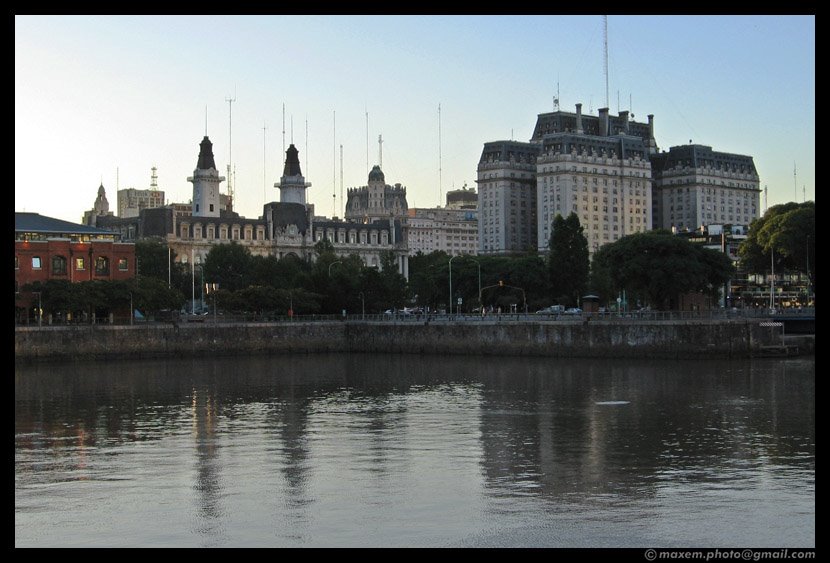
x=653, y=268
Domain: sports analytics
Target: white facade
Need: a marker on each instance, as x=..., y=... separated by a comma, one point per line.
x=696, y=187
x=131, y=201
x=507, y=197
x=206, y=180
x=455, y=231
x=611, y=196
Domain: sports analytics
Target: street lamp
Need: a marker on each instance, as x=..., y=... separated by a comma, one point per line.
x=450, y=267
x=332, y=264
x=39, y=310
x=479, y=281
x=362, y=307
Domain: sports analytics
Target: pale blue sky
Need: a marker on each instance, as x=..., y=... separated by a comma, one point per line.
x=98, y=93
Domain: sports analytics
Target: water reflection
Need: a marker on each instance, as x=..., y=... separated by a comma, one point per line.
x=410, y=450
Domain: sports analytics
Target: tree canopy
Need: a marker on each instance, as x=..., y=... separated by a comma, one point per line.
x=786, y=234
x=568, y=261
x=657, y=267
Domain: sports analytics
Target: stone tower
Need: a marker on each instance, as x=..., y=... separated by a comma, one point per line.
x=206, y=180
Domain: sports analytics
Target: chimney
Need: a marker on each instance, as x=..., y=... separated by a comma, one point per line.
x=603, y=122
x=651, y=126
x=579, y=119
x=624, y=116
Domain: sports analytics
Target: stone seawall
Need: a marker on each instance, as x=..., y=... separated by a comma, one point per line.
x=617, y=339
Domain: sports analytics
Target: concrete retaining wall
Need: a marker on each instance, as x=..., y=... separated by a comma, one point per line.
x=618, y=339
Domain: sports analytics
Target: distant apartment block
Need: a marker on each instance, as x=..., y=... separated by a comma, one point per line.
x=455, y=231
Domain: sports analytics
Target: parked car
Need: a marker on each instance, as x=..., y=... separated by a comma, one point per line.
x=573, y=311
x=552, y=310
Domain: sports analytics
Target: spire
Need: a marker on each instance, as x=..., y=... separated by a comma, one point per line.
x=206, y=161
x=292, y=162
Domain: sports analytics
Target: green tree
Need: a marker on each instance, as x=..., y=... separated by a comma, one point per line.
x=786, y=232
x=568, y=261
x=229, y=265
x=657, y=267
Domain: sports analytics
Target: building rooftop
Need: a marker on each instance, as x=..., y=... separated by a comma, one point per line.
x=37, y=223
x=206, y=155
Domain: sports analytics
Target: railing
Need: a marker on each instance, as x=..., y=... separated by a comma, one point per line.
x=467, y=318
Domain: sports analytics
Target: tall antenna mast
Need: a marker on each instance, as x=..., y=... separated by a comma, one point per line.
x=205, y=120
x=367, y=142
x=154, y=185
x=439, y=156
x=283, y=128
x=264, y=166
x=795, y=186
x=605, y=39
x=116, y=179
x=618, y=101
x=306, y=145
x=230, y=153
x=380, y=151
x=341, y=182
x=292, y=129
x=334, y=161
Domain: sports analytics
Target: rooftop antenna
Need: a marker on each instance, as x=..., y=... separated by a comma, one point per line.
x=380, y=151
x=264, y=166
x=205, y=120
x=154, y=185
x=341, y=182
x=795, y=186
x=765, y=199
x=618, y=101
x=306, y=145
x=292, y=129
x=230, y=132
x=367, y=140
x=116, y=179
x=605, y=39
x=334, y=156
x=283, y=128
x=439, y=156
x=556, y=99
x=590, y=104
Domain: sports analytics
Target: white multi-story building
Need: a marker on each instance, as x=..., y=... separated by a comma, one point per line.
x=131, y=201
x=455, y=231
x=695, y=186
x=596, y=167
x=507, y=197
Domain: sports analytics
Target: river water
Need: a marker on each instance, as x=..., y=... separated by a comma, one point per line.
x=415, y=451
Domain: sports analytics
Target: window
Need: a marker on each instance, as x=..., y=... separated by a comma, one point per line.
x=211, y=208
x=102, y=266
x=122, y=264
x=36, y=262
x=58, y=265
x=80, y=264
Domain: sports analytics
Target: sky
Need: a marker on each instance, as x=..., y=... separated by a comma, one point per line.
x=103, y=99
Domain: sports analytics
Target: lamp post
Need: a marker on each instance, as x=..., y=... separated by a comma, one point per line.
x=39, y=310
x=450, y=268
x=480, y=305
x=362, y=307
x=131, y=308
x=332, y=264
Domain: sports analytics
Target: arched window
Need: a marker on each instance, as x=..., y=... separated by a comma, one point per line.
x=58, y=266
x=102, y=266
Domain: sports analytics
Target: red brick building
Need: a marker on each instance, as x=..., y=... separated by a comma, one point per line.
x=49, y=249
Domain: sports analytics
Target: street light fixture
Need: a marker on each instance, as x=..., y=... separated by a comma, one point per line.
x=450, y=268
x=332, y=264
